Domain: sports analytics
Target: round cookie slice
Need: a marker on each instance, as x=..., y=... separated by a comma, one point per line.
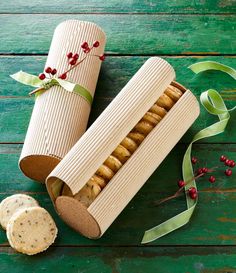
x=12, y=204
x=31, y=230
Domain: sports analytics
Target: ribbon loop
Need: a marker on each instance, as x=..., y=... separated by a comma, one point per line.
x=214, y=104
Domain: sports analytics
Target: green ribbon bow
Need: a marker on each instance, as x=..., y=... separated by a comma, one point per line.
x=43, y=85
x=214, y=104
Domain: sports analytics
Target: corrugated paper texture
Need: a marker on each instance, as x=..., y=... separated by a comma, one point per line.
x=60, y=117
x=136, y=171
x=118, y=119
x=121, y=115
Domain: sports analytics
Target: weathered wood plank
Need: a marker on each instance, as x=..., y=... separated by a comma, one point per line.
x=115, y=73
x=213, y=222
x=15, y=115
x=115, y=6
x=123, y=260
x=127, y=34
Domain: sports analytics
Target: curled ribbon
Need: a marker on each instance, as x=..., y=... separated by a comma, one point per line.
x=42, y=85
x=214, y=104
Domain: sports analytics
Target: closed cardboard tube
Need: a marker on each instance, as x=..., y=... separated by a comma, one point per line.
x=59, y=117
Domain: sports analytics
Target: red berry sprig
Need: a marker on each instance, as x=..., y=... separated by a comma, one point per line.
x=47, y=70
x=228, y=172
x=193, y=193
x=212, y=179
x=194, y=160
x=201, y=172
x=229, y=163
x=42, y=76
x=73, y=60
x=181, y=184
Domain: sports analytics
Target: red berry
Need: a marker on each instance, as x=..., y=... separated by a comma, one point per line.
x=199, y=171
x=102, y=57
x=228, y=172
x=232, y=164
x=84, y=45
x=96, y=44
x=192, y=190
x=73, y=62
x=63, y=76
x=212, y=179
x=223, y=158
x=194, y=160
x=54, y=71
x=42, y=76
x=204, y=170
x=181, y=183
x=227, y=162
x=48, y=70
x=193, y=195
x=86, y=50
x=76, y=56
x=69, y=55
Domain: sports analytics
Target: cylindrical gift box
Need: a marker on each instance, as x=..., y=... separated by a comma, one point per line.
x=119, y=119
x=60, y=117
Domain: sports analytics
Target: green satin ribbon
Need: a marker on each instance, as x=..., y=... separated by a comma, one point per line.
x=34, y=81
x=214, y=104
x=210, y=65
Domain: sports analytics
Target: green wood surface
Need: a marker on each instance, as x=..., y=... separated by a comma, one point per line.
x=183, y=32
x=115, y=6
x=141, y=34
x=124, y=259
x=115, y=73
x=214, y=228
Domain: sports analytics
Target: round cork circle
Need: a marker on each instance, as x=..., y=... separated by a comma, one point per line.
x=77, y=216
x=38, y=167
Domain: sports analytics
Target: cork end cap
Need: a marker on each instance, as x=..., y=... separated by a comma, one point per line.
x=38, y=167
x=77, y=216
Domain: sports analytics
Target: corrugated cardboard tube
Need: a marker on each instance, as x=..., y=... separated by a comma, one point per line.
x=60, y=117
x=122, y=148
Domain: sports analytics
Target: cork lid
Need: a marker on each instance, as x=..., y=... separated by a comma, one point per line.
x=76, y=215
x=38, y=167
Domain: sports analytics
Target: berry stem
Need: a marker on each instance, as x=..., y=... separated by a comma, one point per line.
x=75, y=65
x=178, y=191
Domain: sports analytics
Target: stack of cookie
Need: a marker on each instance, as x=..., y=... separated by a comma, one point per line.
x=30, y=228
x=126, y=148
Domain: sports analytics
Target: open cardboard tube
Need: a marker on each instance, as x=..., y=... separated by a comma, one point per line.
x=105, y=134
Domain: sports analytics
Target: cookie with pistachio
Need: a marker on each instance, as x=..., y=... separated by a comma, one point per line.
x=31, y=230
x=12, y=204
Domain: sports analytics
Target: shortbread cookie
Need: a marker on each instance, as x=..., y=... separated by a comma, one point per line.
x=165, y=102
x=121, y=153
x=143, y=127
x=12, y=204
x=152, y=118
x=129, y=144
x=105, y=172
x=137, y=137
x=87, y=195
x=31, y=230
x=173, y=92
x=160, y=111
x=98, y=180
x=113, y=163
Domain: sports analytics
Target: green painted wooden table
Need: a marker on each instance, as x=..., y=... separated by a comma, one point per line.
x=183, y=32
